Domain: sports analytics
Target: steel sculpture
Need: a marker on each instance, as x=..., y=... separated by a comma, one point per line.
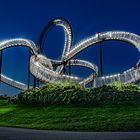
x=43, y=68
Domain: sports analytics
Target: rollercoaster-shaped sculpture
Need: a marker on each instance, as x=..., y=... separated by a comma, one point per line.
x=43, y=68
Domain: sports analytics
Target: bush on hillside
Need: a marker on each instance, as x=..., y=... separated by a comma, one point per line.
x=69, y=92
x=3, y=97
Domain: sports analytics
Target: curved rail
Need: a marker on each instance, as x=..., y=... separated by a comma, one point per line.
x=68, y=37
x=68, y=44
x=19, y=42
x=14, y=83
x=86, y=64
x=43, y=73
x=42, y=67
x=99, y=37
x=104, y=36
x=11, y=43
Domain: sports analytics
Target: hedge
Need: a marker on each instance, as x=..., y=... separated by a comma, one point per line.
x=65, y=92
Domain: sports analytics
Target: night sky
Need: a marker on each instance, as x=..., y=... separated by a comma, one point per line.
x=27, y=18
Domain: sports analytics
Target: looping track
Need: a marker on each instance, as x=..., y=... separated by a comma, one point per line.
x=42, y=67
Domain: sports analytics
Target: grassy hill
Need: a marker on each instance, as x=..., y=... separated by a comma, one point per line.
x=114, y=107
x=71, y=117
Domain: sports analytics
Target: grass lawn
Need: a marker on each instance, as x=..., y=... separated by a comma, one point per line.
x=72, y=117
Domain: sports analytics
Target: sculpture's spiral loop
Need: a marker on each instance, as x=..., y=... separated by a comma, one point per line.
x=42, y=67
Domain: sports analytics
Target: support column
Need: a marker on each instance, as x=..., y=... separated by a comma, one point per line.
x=64, y=68
x=29, y=69
x=0, y=64
x=101, y=61
x=69, y=68
x=37, y=83
x=34, y=84
x=94, y=81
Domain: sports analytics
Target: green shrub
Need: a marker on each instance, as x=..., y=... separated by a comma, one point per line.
x=69, y=92
x=2, y=97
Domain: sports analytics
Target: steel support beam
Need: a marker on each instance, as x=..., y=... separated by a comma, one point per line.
x=37, y=83
x=101, y=61
x=0, y=64
x=94, y=81
x=69, y=68
x=34, y=84
x=29, y=55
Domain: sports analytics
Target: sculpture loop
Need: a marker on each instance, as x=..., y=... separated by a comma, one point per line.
x=43, y=68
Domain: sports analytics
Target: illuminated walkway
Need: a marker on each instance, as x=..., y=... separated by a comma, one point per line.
x=43, y=68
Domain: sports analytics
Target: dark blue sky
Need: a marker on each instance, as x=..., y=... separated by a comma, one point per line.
x=27, y=19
